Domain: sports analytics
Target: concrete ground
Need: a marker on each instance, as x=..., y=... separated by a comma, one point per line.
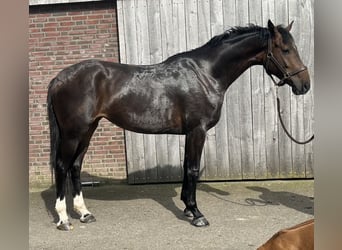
x=242, y=215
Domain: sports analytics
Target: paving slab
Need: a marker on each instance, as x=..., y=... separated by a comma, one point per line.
x=242, y=215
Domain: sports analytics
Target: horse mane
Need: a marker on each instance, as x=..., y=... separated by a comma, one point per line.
x=233, y=32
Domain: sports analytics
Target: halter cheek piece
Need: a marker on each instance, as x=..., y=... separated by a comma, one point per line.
x=286, y=75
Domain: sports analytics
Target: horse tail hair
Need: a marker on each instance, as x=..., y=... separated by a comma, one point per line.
x=54, y=129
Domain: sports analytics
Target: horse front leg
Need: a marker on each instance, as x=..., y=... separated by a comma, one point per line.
x=193, y=151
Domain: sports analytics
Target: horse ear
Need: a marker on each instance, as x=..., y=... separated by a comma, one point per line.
x=271, y=27
x=289, y=27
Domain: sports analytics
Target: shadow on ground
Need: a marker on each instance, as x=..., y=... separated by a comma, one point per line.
x=125, y=192
x=298, y=202
x=301, y=203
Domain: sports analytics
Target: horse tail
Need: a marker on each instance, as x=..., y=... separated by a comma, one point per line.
x=54, y=128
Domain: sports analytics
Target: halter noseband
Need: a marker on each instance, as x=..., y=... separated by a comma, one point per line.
x=286, y=74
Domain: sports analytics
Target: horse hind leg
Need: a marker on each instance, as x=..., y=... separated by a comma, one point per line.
x=65, y=154
x=75, y=172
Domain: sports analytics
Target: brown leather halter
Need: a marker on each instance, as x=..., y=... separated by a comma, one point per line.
x=286, y=75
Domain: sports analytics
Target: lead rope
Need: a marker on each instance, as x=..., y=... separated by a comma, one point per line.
x=283, y=125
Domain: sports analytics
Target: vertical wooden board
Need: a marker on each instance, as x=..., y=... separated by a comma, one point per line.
x=178, y=24
x=143, y=27
x=203, y=12
x=192, y=42
x=204, y=34
x=162, y=158
x=128, y=8
x=182, y=45
x=139, y=171
x=284, y=93
x=297, y=102
x=301, y=106
x=179, y=37
x=222, y=153
x=129, y=156
x=150, y=158
x=169, y=48
x=166, y=28
x=174, y=158
x=122, y=36
x=142, y=37
x=229, y=19
x=297, y=122
x=156, y=48
x=210, y=155
x=258, y=101
x=155, y=43
x=137, y=165
x=244, y=89
x=123, y=59
x=191, y=22
x=233, y=107
x=308, y=59
x=271, y=124
x=181, y=152
x=222, y=150
x=143, y=57
x=216, y=17
x=233, y=127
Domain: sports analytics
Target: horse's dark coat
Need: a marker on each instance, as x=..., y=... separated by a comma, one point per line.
x=182, y=95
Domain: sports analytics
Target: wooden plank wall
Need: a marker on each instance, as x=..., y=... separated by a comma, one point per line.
x=248, y=142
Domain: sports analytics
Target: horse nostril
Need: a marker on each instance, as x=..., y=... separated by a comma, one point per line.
x=306, y=86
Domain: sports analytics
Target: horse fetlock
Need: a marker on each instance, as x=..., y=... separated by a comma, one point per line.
x=61, y=211
x=79, y=206
x=188, y=213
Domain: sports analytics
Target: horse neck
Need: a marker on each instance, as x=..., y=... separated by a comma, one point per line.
x=230, y=60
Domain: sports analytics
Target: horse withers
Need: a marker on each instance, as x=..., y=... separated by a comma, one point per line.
x=181, y=95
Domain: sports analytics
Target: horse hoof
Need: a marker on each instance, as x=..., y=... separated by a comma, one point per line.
x=66, y=226
x=200, y=222
x=88, y=218
x=188, y=213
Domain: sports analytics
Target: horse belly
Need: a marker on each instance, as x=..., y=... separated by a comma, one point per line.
x=147, y=117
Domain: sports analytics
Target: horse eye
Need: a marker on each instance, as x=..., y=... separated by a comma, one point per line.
x=286, y=51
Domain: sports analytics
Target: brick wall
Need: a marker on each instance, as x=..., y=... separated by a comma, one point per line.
x=61, y=35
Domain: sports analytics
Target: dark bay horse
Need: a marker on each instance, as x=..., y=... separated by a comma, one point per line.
x=182, y=95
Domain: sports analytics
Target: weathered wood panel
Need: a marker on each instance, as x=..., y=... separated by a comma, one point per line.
x=258, y=102
x=248, y=142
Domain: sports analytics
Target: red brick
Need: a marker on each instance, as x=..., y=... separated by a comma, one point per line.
x=49, y=29
x=98, y=17
x=67, y=23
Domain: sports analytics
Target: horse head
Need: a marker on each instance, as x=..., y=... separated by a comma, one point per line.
x=283, y=60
